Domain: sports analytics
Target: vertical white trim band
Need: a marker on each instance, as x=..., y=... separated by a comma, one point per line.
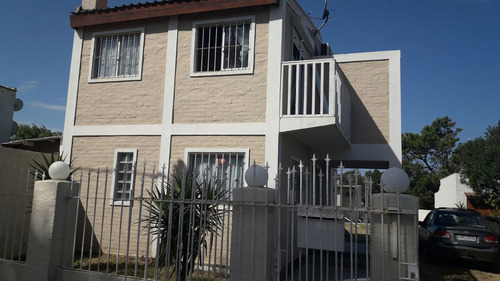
x=169, y=94
x=74, y=79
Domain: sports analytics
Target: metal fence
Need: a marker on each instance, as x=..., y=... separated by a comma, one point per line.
x=316, y=223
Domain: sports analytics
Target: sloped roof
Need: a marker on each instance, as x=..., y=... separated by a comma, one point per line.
x=9, y=88
x=156, y=9
x=46, y=144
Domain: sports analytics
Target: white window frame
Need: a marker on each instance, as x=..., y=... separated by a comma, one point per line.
x=245, y=151
x=251, y=48
x=96, y=35
x=113, y=200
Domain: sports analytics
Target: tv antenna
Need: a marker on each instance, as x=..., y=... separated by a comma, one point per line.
x=324, y=17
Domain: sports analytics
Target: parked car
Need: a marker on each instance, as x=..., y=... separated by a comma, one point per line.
x=453, y=233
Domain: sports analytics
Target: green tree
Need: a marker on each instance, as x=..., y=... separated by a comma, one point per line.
x=427, y=158
x=32, y=132
x=479, y=164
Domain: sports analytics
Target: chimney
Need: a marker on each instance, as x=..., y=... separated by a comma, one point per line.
x=94, y=4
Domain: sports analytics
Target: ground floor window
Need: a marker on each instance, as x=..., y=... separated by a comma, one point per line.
x=226, y=167
x=123, y=176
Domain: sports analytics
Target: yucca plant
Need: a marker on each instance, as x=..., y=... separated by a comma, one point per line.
x=42, y=168
x=182, y=216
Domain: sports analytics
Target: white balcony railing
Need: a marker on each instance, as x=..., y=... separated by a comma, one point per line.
x=314, y=88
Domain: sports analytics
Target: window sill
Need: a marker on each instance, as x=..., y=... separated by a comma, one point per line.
x=122, y=203
x=221, y=73
x=114, y=79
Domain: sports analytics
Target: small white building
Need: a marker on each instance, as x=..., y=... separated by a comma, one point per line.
x=451, y=192
x=8, y=104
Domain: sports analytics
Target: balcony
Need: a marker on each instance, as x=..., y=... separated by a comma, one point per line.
x=315, y=102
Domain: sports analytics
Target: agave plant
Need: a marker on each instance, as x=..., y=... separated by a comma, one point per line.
x=42, y=168
x=182, y=216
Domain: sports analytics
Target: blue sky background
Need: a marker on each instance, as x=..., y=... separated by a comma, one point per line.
x=450, y=55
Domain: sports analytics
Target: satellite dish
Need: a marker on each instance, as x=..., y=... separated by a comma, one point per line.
x=324, y=17
x=18, y=105
x=326, y=13
x=13, y=128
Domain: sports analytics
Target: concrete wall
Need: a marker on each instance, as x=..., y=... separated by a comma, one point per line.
x=125, y=102
x=293, y=148
x=451, y=192
x=369, y=87
x=221, y=99
x=16, y=188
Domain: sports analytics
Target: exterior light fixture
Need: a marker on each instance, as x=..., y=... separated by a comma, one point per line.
x=395, y=180
x=59, y=170
x=256, y=176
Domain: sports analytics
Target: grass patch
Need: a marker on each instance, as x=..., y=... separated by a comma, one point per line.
x=122, y=266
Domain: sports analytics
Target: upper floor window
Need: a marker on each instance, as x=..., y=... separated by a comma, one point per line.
x=223, y=47
x=117, y=55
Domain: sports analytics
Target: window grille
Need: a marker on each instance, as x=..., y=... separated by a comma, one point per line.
x=124, y=176
x=227, y=168
x=223, y=46
x=117, y=55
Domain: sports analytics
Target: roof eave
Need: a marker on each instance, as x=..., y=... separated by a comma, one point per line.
x=162, y=9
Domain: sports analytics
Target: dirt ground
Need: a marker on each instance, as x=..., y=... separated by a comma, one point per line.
x=458, y=270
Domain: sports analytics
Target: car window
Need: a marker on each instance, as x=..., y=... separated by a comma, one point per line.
x=446, y=220
x=427, y=221
x=459, y=219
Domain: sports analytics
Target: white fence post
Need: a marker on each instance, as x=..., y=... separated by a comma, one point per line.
x=252, y=240
x=394, y=237
x=51, y=229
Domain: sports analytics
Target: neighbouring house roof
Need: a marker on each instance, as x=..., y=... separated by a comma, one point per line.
x=470, y=194
x=46, y=145
x=156, y=9
x=9, y=88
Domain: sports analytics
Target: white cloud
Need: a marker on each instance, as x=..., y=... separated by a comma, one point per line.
x=48, y=106
x=28, y=86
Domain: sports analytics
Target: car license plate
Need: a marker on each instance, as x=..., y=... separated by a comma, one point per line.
x=466, y=238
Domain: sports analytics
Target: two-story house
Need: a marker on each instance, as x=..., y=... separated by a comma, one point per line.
x=224, y=83
x=193, y=83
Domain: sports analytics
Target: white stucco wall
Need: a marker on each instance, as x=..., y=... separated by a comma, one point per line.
x=7, y=100
x=451, y=192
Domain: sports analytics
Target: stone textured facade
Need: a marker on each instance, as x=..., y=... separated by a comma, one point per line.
x=221, y=99
x=87, y=158
x=256, y=145
x=125, y=102
x=369, y=87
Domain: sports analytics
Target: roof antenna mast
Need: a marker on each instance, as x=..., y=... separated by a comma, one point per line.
x=324, y=17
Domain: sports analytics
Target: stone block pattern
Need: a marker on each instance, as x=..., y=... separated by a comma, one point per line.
x=221, y=99
x=125, y=102
x=102, y=221
x=256, y=144
x=369, y=81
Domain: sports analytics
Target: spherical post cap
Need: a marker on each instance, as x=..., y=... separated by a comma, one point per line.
x=256, y=176
x=59, y=170
x=395, y=180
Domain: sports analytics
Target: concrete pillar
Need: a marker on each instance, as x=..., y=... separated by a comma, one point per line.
x=252, y=239
x=94, y=4
x=50, y=243
x=394, y=237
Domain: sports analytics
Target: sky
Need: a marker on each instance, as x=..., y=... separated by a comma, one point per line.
x=450, y=55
